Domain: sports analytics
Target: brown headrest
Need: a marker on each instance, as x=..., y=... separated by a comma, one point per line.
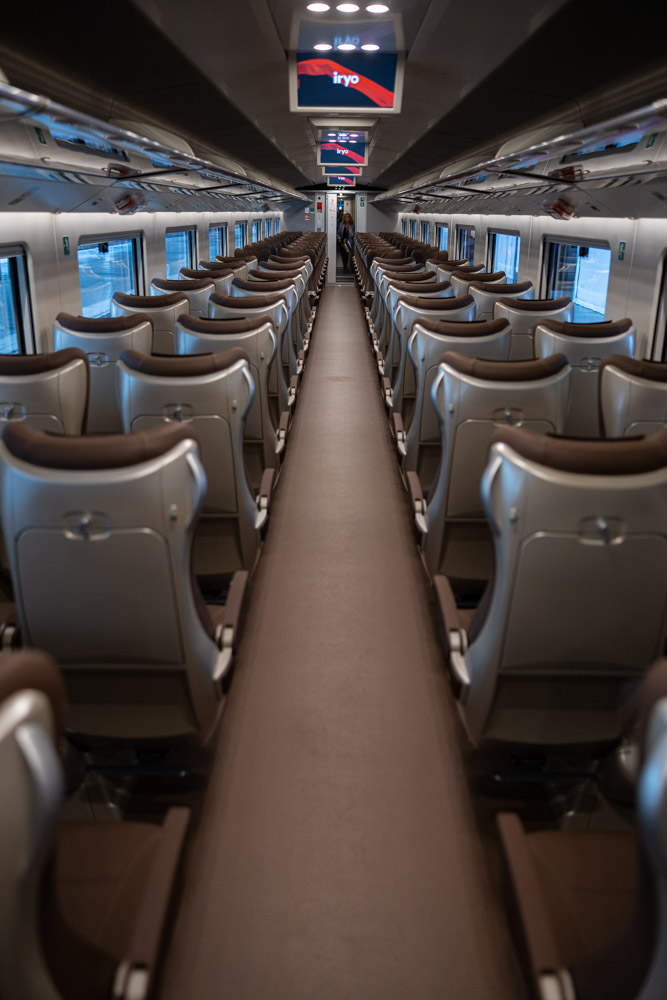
x=230, y=263
x=395, y=268
x=501, y=289
x=465, y=273
x=149, y=301
x=218, y=327
x=394, y=261
x=536, y=305
x=620, y=457
x=104, y=324
x=283, y=265
x=473, y=328
x=247, y=301
x=399, y=276
x=279, y=275
x=447, y=302
x=35, y=364
x=656, y=371
x=266, y=286
x=207, y=274
x=465, y=269
x=181, y=285
x=606, y=328
x=435, y=287
x=181, y=365
x=92, y=451
x=274, y=259
x=505, y=371
x=32, y=670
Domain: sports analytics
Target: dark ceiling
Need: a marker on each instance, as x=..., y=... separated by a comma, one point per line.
x=113, y=60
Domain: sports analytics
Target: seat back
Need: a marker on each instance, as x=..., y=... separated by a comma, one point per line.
x=48, y=391
x=256, y=337
x=487, y=293
x=633, y=396
x=31, y=718
x=584, y=345
x=99, y=538
x=472, y=399
x=162, y=310
x=578, y=604
x=409, y=308
x=463, y=277
x=196, y=290
x=212, y=395
x=222, y=278
x=523, y=315
x=275, y=308
x=429, y=340
x=103, y=341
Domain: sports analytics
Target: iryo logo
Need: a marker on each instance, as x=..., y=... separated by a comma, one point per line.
x=345, y=79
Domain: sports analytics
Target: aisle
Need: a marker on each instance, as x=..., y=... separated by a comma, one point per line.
x=337, y=856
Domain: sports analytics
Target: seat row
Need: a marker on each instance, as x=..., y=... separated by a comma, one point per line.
x=563, y=540
x=104, y=540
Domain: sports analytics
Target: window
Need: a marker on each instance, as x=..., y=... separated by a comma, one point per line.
x=180, y=248
x=504, y=254
x=240, y=235
x=256, y=231
x=413, y=229
x=443, y=237
x=267, y=227
x=404, y=226
x=465, y=242
x=580, y=271
x=426, y=232
x=659, y=346
x=276, y=226
x=15, y=316
x=217, y=242
x=104, y=268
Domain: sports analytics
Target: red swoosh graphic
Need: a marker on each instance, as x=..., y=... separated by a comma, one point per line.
x=344, y=152
x=380, y=96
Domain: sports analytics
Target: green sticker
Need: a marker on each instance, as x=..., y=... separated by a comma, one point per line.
x=362, y=201
x=66, y=245
x=40, y=136
x=621, y=250
x=651, y=139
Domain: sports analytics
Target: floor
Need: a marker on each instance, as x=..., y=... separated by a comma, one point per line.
x=338, y=854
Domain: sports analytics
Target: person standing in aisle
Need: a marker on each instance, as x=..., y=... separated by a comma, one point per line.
x=345, y=240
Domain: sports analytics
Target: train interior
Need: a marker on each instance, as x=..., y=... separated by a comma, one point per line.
x=333, y=501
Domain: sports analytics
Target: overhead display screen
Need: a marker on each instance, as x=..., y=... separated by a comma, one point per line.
x=341, y=170
x=339, y=149
x=350, y=80
x=344, y=181
x=355, y=67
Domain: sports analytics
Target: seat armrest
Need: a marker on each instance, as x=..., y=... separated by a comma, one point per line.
x=387, y=394
x=418, y=501
x=454, y=636
x=9, y=625
x=264, y=498
x=281, y=434
x=399, y=432
x=227, y=622
x=139, y=963
x=293, y=389
x=541, y=946
x=300, y=359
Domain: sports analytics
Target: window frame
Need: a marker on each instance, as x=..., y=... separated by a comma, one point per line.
x=404, y=227
x=256, y=225
x=136, y=237
x=21, y=295
x=548, y=241
x=267, y=228
x=425, y=231
x=490, y=248
x=222, y=228
x=442, y=227
x=243, y=227
x=191, y=233
x=413, y=229
x=276, y=226
x=658, y=351
x=458, y=237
